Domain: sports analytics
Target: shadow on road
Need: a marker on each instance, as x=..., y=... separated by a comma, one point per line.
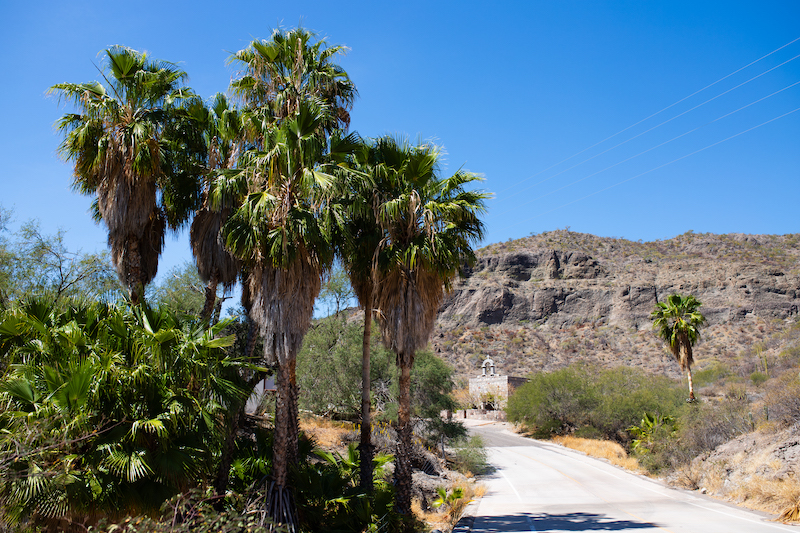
x=584, y=522
x=553, y=522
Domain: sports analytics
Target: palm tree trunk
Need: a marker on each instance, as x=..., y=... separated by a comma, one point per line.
x=229, y=447
x=280, y=506
x=211, y=297
x=691, y=385
x=282, y=441
x=252, y=337
x=133, y=271
x=366, y=421
x=402, y=470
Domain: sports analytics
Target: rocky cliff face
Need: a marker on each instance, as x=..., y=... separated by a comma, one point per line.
x=543, y=289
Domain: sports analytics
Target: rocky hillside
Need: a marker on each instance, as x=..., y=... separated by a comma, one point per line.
x=542, y=302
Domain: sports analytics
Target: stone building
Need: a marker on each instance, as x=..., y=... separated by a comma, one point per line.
x=491, y=391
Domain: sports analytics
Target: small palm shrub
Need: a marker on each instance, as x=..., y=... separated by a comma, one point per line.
x=106, y=409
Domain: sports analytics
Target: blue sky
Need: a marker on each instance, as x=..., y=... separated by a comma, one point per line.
x=515, y=91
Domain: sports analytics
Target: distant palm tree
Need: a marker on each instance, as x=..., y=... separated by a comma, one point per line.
x=429, y=224
x=136, y=152
x=678, y=323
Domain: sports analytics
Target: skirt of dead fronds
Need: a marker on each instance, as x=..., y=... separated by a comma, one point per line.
x=791, y=513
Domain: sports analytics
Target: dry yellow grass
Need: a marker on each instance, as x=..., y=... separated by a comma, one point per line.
x=602, y=449
x=780, y=496
x=327, y=433
x=446, y=518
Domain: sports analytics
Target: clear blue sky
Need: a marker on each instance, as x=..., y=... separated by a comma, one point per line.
x=510, y=89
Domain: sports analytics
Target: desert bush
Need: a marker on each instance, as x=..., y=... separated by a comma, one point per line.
x=584, y=396
x=783, y=399
x=469, y=455
x=560, y=400
x=711, y=374
x=699, y=427
x=758, y=378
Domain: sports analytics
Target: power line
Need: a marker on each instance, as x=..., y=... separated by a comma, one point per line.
x=645, y=119
x=659, y=125
x=658, y=145
x=657, y=168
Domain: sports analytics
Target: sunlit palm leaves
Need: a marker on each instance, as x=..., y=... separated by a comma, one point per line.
x=678, y=323
x=135, y=149
x=106, y=409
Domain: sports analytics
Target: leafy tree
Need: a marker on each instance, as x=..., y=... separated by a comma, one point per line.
x=678, y=323
x=336, y=290
x=429, y=225
x=34, y=263
x=6, y=255
x=136, y=151
x=181, y=290
x=43, y=264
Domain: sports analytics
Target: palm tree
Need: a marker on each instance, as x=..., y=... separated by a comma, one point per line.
x=283, y=71
x=294, y=97
x=278, y=234
x=136, y=153
x=358, y=236
x=215, y=265
x=678, y=322
x=429, y=224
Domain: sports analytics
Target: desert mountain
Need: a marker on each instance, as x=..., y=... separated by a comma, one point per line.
x=544, y=301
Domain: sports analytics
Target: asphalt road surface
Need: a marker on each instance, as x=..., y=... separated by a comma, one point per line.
x=537, y=486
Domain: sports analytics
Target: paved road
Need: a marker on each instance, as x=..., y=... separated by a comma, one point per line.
x=542, y=487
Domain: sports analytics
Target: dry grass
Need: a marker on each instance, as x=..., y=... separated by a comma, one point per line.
x=602, y=449
x=771, y=496
x=446, y=517
x=327, y=433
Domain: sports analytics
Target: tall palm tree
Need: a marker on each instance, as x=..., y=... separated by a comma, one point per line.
x=215, y=265
x=294, y=97
x=136, y=152
x=281, y=72
x=678, y=323
x=278, y=235
x=429, y=224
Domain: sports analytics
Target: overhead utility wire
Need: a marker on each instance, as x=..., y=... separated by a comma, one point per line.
x=656, y=146
x=659, y=125
x=647, y=118
x=657, y=168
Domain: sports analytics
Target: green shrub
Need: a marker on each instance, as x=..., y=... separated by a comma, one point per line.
x=758, y=378
x=711, y=374
x=469, y=455
x=584, y=396
x=191, y=512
